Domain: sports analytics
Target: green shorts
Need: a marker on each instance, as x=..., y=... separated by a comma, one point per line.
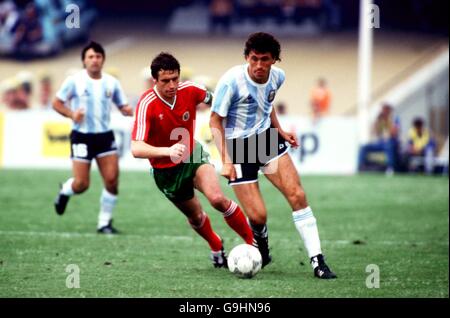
x=177, y=183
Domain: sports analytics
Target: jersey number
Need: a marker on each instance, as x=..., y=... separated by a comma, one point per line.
x=79, y=150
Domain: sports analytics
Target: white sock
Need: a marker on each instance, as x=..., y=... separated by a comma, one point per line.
x=107, y=203
x=67, y=187
x=305, y=222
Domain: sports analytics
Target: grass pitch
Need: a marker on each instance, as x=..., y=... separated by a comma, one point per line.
x=399, y=224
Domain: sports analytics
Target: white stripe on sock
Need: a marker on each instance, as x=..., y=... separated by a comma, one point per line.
x=231, y=209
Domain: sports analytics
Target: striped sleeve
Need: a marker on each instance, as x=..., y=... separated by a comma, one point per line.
x=222, y=99
x=281, y=77
x=141, y=125
x=119, y=97
x=67, y=89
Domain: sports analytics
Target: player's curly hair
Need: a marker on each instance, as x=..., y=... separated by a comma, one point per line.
x=263, y=43
x=164, y=61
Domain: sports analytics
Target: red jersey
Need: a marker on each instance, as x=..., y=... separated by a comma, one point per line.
x=160, y=124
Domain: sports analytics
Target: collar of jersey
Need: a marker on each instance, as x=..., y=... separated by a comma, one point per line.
x=92, y=79
x=247, y=76
x=164, y=101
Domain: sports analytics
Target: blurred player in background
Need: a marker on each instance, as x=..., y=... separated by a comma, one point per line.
x=164, y=133
x=86, y=98
x=320, y=99
x=243, y=115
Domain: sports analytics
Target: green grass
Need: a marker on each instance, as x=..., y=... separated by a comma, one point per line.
x=398, y=223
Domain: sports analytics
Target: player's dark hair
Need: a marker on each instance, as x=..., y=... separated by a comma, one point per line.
x=261, y=42
x=164, y=61
x=95, y=46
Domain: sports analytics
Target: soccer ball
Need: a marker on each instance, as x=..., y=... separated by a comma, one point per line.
x=244, y=261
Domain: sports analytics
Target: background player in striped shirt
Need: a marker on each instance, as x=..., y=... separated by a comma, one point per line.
x=164, y=133
x=86, y=98
x=243, y=115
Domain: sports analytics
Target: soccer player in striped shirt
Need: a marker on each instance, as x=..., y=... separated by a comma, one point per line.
x=249, y=137
x=164, y=133
x=86, y=98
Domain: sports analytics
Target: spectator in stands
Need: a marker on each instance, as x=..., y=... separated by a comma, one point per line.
x=9, y=18
x=247, y=9
x=28, y=31
x=220, y=14
x=288, y=8
x=25, y=90
x=320, y=99
x=45, y=92
x=386, y=130
x=309, y=9
x=421, y=149
x=13, y=95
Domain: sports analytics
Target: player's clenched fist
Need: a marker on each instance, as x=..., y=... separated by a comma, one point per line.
x=78, y=115
x=176, y=151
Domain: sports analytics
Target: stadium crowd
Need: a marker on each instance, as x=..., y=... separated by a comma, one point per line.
x=30, y=29
x=223, y=13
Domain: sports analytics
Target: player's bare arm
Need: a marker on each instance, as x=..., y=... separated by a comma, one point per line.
x=140, y=149
x=289, y=137
x=215, y=122
x=77, y=116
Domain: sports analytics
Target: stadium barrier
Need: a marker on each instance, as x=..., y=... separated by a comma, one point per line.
x=40, y=139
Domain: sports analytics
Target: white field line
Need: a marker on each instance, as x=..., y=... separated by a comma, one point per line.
x=190, y=238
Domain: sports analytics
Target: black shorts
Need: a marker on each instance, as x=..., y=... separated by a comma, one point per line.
x=85, y=147
x=252, y=153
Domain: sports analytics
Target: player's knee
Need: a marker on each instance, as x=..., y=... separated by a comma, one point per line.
x=218, y=201
x=80, y=186
x=196, y=219
x=257, y=217
x=111, y=184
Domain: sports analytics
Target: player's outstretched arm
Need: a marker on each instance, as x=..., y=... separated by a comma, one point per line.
x=140, y=149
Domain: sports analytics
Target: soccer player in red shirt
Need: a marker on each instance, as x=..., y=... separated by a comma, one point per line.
x=164, y=133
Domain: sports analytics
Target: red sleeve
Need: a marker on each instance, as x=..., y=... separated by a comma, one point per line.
x=198, y=93
x=141, y=125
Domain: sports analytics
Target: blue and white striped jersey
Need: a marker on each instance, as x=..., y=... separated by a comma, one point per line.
x=95, y=96
x=245, y=104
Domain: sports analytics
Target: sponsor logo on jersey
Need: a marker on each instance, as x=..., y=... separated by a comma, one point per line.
x=186, y=116
x=161, y=116
x=108, y=93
